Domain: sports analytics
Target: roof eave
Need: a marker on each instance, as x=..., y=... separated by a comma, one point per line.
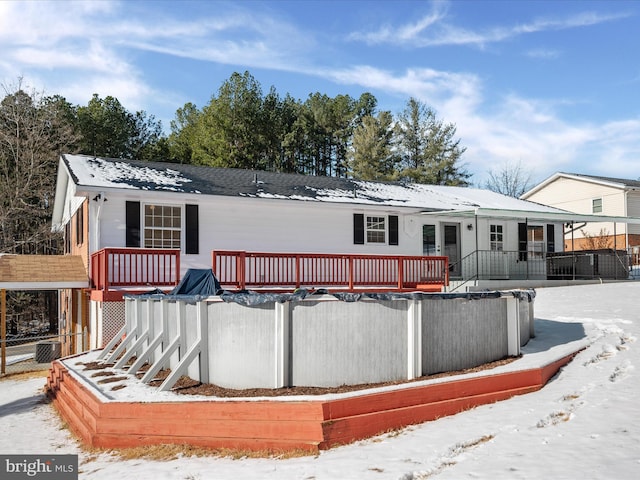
x=571, y=176
x=563, y=217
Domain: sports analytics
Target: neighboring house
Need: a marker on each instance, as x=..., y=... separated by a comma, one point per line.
x=587, y=194
x=143, y=224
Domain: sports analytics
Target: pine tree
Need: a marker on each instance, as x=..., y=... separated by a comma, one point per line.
x=371, y=154
x=429, y=152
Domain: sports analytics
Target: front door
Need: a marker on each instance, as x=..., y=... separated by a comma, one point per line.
x=451, y=244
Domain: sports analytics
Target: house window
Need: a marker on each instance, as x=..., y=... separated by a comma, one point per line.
x=596, y=205
x=496, y=238
x=376, y=230
x=162, y=226
x=535, y=241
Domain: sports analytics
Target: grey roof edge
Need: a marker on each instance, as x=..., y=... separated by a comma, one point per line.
x=608, y=181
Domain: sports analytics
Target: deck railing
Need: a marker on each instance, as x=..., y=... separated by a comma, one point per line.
x=575, y=265
x=240, y=269
x=134, y=267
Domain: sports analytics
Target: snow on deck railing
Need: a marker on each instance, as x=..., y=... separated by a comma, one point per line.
x=134, y=267
x=240, y=269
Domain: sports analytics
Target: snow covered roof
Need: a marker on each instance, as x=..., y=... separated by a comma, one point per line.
x=103, y=173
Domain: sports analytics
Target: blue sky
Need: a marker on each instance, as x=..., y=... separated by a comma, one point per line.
x=551, y=84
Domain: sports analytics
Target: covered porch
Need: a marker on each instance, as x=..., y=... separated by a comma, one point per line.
x=538, y=261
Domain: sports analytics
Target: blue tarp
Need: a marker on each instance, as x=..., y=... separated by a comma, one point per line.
x=198, y=282
x=196, y=285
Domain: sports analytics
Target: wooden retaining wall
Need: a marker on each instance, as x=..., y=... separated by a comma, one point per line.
x=278, y=425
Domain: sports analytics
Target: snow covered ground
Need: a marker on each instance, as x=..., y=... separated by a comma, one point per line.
x=584, y=424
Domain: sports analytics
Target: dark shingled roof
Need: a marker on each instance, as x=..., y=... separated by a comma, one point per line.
x=235, y=182
x=98, y=173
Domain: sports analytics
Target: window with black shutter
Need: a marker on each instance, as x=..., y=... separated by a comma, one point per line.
x=375, y=229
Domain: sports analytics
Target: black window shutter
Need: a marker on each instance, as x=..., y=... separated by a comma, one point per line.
x=133, y=224
x=192, y=244
x=551, y=238
x=393, y=230
x=522, y=241
x=358, y=228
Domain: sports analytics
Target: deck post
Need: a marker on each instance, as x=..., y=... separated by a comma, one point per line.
x=241, y=269
x=414, y=339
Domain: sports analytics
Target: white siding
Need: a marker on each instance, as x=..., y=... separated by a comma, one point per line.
x=577, y=196
x=229, y=223
x=270, y=225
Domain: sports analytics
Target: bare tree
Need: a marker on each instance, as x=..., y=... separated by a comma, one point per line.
x=510, y=179
x=33, y=131
x=603, y=240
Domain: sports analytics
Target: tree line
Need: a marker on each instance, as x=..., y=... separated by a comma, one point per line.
x=334, y=136
x=240, y=127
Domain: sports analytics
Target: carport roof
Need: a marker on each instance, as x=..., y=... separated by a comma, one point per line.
x=42, y=272
x=548, y=216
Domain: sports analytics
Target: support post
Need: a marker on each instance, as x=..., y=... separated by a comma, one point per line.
x=3, y=330
x=282, y=344
x=513, y=326
x=414, y=339
x=196, y=350
x=203, y=333
x=149, y=354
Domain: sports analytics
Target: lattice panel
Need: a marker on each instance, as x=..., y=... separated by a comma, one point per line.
x=113, y=319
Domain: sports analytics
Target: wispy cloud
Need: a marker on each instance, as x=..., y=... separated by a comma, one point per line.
x=436, y=88
x=97, y=43
x=434, y=30
x=512, y=129
x=404, y=33
x=543, y=53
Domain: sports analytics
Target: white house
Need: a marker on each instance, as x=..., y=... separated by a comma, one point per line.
x=588, y=194
x=114, y=212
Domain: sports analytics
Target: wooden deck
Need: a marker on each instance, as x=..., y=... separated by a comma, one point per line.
x=262, y=270
x=115, y=271
x=277, y=424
